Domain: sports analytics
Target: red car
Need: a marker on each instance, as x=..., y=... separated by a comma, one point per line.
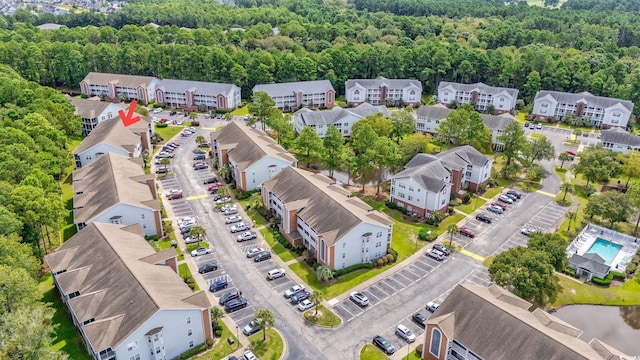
x=571, y=154
x=466, y=232
x=214, y=186
x=174, y=194
x=502, y=205
x=164, y=121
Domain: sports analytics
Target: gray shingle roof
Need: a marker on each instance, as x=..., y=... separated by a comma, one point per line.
x=248, y=146
x=484, y=88
x=328, y=117
x=129, y=81
x=380, y=81
x=287, y=89
x=427, y=171
x=200, y=87
x=462, y=156
x=434, y=112
x=111, y=132
x=327, y=207
x=109, y=180
x=619, y=136
x=590, y=261
x=117, y=289
x=89, y=109
x=497, y=122
x=495, y=324
x=592, y=100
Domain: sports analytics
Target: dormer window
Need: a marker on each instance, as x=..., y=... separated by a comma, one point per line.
x=116, y=220
x=74, y=294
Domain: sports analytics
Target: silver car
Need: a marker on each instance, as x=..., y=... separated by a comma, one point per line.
x=246, y=236
x=359, y=298
x=239, y=227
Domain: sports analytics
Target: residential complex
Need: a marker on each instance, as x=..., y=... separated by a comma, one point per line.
x=126, y=299
x=496, y=125
x=427, y=181
x=93, y=111
x=383, y=91
x=251, y=154
x=183, y=94
x=476, y=322
x=619, y=140
x=315, y=212
x=294, y=95
x=601, y=111
x=485, y=98
x=111, y=136
x=115, y=189
x=342, y=119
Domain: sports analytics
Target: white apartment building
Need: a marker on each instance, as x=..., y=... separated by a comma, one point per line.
x=485, y=98
x=294, y=95
x=93, y=112
x=342, y=119
x=383, y=91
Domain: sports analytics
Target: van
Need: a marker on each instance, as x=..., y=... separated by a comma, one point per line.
x=231, y=295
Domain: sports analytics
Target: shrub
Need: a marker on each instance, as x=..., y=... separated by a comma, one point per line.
x=151, y=238
x=419, y=350
x=219, y=331
x=210, y=343
x=422, y=235
x=161, y=125
x=384, y=259
x=391, y=258
x=391, y=205
x=571, y=272
x=392, y=252
x=379, y=262
x=194, y=350
x=353, y=268
x=631, y=268
x=466, y=198
x=589, y=190
x=195, y=123
x=617, y=275
x=455, y=202
x=604, y=282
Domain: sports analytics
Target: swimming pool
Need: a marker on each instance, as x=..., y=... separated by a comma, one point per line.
x=607, y=250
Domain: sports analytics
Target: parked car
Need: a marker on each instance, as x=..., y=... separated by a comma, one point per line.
x=585, y=134
x=302, y=295
x=223, y=200
x=199, y=151
x=254, y=251
x=359, y=298
x=532, y=126
x=218, y=285
x=306, y=305
x=186, y=228
x=191, y=240
x=514, y=193
x=209, y=180
x=539, y=126
x=173, y=112
x=253, y=327
x=432, y=306
x=215, y=185
x=208, y=267
x=571, y=154
x=501, y=205
x=231, y=295
x=248, y=355
x=466, y=232
x=246, y=236
x=419, y=319
x=174, y=194
x=435, y=254
x=199, y=157
x=187, y=221
x=526, y=125
x=201, y=251
x=200, y=166
x=484, y=218
x=265, y=255
x=384, y=345
x=505, y=199
x=405, y=333
x=512, y=197
x=527, y=231
x=186, y=133
x=239, y=227
x=231, y=211
x=495, y=209
x=164, y=154
x=163, y=170
x=293, y=290
x=443, y=249
x=235, y=305
x=233, y=219
x=275, y=273
x=226, y=206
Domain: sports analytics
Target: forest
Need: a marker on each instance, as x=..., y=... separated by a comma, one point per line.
x=574, y=48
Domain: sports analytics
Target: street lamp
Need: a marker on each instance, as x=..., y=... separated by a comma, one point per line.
x=237, y=337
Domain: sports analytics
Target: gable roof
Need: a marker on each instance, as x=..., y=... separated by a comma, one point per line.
x=109, y=180
x=380, y=81
x=462, y=156
x=497, y=122
x=593, y=100
x=247, y=145
x=427, y=171
x=619, y=136
x=327, y=207
x=129, y=81
x=328, y=117
x=495, y=324
x=484, y=88
x=111, y=132
x=590, y=261
x=200, y=87
x=117, y=290
x=90, y=109
x=437, y=112
x=290, y=88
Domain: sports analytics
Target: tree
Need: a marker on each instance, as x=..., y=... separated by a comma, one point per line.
x=316, y=297
x=255, y=200
x=563, y=157
x=633, y=195
x=27, y=334
x=324, y=273
x=631, y=166
x=532, y=86
x=529, y=272
x=540, y=149
x=576, y=134
x=612, y=206
x=262, y=106
x=164, y=162
x=552, y=244
x=452, y=229
x=381, y=125
x=266, y=318
x=571, y=215
x=361, y=142
x=385, y=156
x=283, y=127
x=403, y=124
x=332, y=146
x=566, y=187
x=17, y=289
x=514, y=142
x=308, y=145
x=193, y=115
x=412, y=145
x=228, y=116
x=224, y=191
x=216, y=315
x=198, y=232
x=224, y=173
x=596, y=163
x=200, y=140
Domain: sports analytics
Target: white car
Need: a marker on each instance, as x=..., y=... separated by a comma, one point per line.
x=186, y=221
x=246, y=236
x=254, y=251
x=405, y=333
x=191, y=240
x=275, y=273
x=239, y=227
x=156, y=110
x=505, y=199
x=293, y=290
x=233, y=219
x=435, y=254
x=223, y=200
x=231, y=211
x=306, y=305
x=359, y=298
x=432, y=306
x=164, y=154
x=201, y=251
x=248, y=355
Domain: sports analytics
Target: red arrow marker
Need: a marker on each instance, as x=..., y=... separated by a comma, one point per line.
x=128, y=119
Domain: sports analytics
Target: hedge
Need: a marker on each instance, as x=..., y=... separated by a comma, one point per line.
x=353, y=268
x=604, y=282
x=618, y=275
x=161, y=125
x=571, y=272
x=193, y=351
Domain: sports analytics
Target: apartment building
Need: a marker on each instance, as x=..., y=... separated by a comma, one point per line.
x=485, y=98
x=93, y=111
x=342, y=119
x=383, y=91
x=294, y=95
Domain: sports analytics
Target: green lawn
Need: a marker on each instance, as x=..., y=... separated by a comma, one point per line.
x=241, y=111
x=183, y=271
x=167, y=132
x=413, y=355
x=222, y=348
x=370, y=352
x=574, y=292
x=253, y=214
x=522, y=117
x=277, y=248
x=272, y=349
x=325, y=317
x=67, y=338
x=491, y=193
x=471, y=206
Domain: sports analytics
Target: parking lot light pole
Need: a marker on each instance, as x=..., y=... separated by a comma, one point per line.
x=237, y=337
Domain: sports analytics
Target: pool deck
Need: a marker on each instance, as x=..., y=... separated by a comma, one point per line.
x=583, y=242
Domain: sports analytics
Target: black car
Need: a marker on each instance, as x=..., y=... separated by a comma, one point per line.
x=210, y=180
x=514, y=193
x=235, y=305
x=262, y=256
x=208, y=267
x=484, y=218
x=443, y=249
x=231, y=295
x=172, y=113
x=384, y=345
x=526, y=125
x=302, y=295
x=419, y=319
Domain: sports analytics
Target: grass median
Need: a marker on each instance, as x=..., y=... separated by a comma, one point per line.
x=271, y=349
x=370, y=352
x=323, y=317
x=222, y=347
x=277, y=248
x=472, y=206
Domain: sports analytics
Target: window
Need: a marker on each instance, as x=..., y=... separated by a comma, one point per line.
x=188, y=319
x=157, y=349
x=401, y=195
x=189, y=332
x=410, y=188
x=344, y=255
x=132, y=346
x=436, y=339
x=344, y=245
x=135, y=357
x=410, y=198
x=191, y=343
